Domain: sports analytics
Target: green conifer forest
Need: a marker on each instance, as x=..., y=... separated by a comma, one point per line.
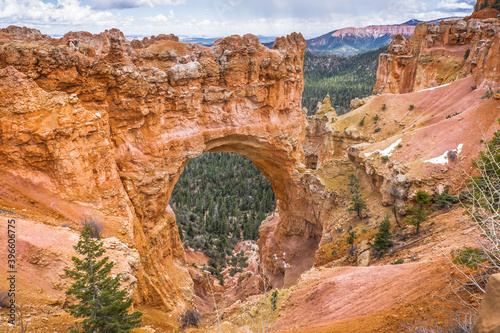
x=344, y=78
x=220, y=199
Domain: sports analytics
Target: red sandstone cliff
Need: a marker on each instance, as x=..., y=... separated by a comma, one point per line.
x=437, y=55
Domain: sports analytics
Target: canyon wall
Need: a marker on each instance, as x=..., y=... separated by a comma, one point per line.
x=97, y=125
x=436, y=55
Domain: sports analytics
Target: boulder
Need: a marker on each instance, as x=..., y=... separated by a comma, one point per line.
x=488, y=318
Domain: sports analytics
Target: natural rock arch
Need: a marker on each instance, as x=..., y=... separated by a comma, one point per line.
x=125, y=118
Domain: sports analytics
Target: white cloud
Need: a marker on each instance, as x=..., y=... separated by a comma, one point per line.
x=65, y=12
x=223, y=17
x=455, y=5
x=122, y=4
x=160, y=18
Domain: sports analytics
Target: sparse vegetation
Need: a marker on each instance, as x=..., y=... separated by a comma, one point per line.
x=238, y=261
x=411, y=107
x=274, y=300
x=362, y=122
x=94, y=225
x=351, y=237
x=460, y=324
x=234, y=270
x=384, y=107
x=482, y=201
x=375, y=119
x=190, y=318
x=398, y=262
x=467, y=54
x=453, y=115
x=385, y=158
x=417, y=213
x=470, y=257
x=489, y=93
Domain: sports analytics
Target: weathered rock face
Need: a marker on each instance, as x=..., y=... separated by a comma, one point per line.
x=22, y=34
x=488, y=319
x=436, y=55
x=106, y=128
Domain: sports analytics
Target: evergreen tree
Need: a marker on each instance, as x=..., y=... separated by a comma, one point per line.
x=181, y=233
x=351, y=237
x=445, y=200
x=189, y=230
x=103, y=305
x=358, y=204
x=383, y=237
x=418, y=214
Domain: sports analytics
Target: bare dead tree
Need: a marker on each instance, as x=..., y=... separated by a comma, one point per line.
x=481, y=199
x=209, y=280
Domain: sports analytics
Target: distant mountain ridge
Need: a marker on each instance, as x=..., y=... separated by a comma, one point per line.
x=375, y=30
x=351, y=41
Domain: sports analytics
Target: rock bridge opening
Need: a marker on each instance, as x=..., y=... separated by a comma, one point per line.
x=221, y=199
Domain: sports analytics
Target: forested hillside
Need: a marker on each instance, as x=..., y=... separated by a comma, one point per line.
x=344, y=78
x=221, y=198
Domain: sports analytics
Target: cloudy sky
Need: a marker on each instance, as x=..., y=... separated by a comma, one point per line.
x=220, y=17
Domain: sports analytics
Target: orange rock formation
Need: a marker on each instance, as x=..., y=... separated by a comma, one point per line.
x=437, y=55
x=106, y=127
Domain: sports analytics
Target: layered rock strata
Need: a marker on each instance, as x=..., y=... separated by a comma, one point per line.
x=437, y=55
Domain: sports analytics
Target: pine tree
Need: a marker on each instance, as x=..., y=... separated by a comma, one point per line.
x=418, y=214
x=351, y=237
x=104, y=306
x=383, y=237
x=358, y=204
x=445, y=200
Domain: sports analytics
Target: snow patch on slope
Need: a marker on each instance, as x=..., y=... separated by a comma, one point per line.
x=432, y=88
x=387, y=151
x=443, y=159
